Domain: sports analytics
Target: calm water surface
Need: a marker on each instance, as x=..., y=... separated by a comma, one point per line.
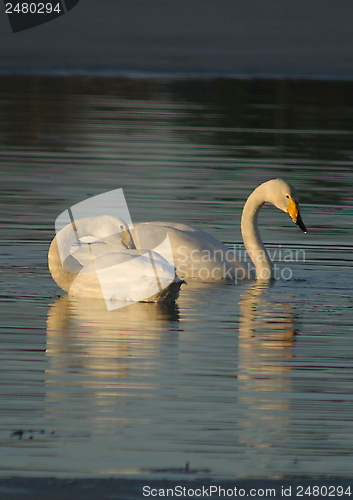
x=239, y=380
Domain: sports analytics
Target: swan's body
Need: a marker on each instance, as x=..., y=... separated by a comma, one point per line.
x=95, y=257
x=199, y=256
x=196, y=254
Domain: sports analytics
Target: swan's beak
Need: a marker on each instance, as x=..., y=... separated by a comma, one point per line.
x=127, y=240
x=294, y=214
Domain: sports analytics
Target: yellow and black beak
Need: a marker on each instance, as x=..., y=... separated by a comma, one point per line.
x=294, y=214
x=127, y=240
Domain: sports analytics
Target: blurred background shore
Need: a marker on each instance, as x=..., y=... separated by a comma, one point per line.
x=254, y=38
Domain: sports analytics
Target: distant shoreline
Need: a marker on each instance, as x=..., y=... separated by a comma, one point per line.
x=107, y=73
x=18, y=488
x=190, y=38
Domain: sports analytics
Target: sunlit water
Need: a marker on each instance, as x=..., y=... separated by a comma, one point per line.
x=238, y=380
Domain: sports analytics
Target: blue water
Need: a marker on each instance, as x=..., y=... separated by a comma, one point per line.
x=237, y=380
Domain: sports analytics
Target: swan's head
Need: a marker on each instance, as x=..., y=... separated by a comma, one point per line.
x=105, y=228
x=109, y=225
x=285, y=197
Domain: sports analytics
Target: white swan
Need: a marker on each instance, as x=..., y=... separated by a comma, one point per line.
x=199, y=256
x=95, y=257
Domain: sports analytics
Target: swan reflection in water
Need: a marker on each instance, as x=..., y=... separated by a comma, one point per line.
x=266, y=338
x=77, y=325
x=123, y=368
x=104, y=352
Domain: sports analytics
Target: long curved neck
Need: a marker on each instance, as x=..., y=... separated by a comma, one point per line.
x=62, y=265
x=251, y=236
x=63, y=275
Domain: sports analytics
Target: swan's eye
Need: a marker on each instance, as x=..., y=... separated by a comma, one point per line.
x=287, y=195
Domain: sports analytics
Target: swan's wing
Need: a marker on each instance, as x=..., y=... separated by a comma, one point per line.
x=129, y=276
x=133, y=264
x=171, y=225
x=180, y=232
x=194, y=253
